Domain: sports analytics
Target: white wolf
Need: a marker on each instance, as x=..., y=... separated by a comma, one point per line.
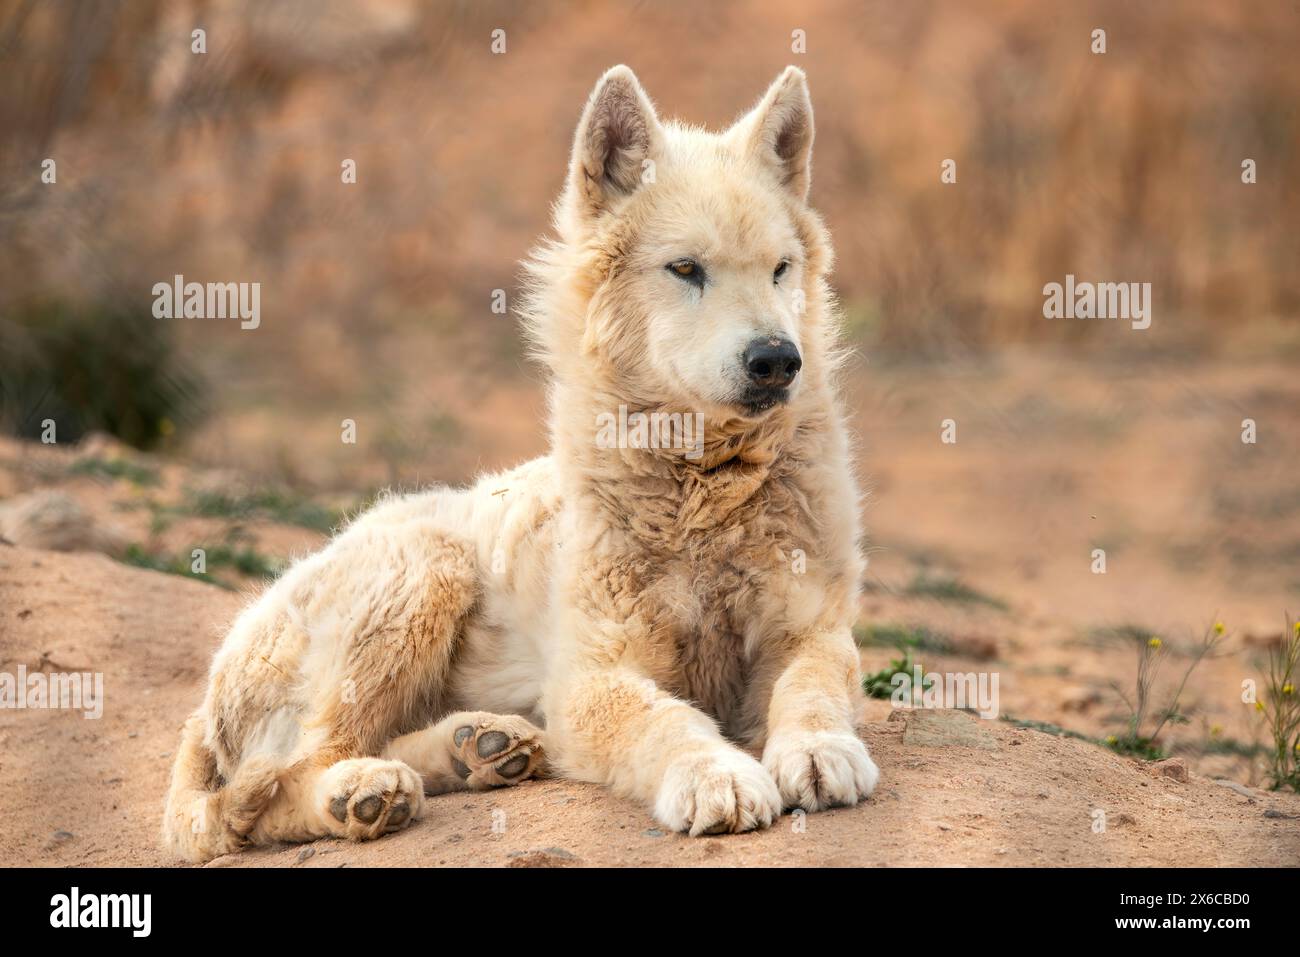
x=665, y=616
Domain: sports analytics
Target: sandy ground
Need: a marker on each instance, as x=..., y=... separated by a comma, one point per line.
x=955, y=790
x=1055, y=457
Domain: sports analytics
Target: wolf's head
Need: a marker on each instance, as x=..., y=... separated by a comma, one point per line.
x=690, y=270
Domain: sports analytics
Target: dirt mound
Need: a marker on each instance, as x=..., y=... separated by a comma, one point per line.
x=954, y=790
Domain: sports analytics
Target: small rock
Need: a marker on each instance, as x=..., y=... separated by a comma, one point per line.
x=1274, y=812
x=1172, y=768
x=546, y=857
x=653, y=832
x=944, y=728
x=55, y=520
x=1239, y=788
x=305, y=853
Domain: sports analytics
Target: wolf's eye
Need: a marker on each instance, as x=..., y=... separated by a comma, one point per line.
x=687, y=269
x=781, y=267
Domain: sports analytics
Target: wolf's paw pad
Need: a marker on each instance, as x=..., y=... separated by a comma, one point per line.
x=368, y=797
x=815, y=770
x=493, y=750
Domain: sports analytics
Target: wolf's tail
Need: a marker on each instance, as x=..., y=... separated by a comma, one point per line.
x=206, y=817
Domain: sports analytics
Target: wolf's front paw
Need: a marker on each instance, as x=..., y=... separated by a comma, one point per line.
x=815, y=770
x=726, y=791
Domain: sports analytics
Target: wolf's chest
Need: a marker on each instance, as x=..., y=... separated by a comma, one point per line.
x=707, y=661
x=711, y=671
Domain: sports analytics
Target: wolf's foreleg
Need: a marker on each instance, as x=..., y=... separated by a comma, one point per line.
x=812, y=751
x=614, y=726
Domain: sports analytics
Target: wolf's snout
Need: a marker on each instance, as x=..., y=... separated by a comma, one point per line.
x=772, y=363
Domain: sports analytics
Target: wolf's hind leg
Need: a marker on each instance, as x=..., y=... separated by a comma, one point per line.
x=393, y=653
x=205, y=818
x=472, y=750
x=358, y=798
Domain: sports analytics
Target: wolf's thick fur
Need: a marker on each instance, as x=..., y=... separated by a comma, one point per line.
x=658, y=612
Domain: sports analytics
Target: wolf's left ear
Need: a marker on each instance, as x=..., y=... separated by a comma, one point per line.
x=619, y=132
x=780, y=130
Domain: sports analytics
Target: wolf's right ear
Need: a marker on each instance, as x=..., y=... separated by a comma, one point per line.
x=619, y=132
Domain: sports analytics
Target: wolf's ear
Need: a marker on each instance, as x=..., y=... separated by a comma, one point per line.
x=780, y=130
x=618, y=133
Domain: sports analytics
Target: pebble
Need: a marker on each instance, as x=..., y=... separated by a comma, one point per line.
x=1172, y=768
x=1239, y=788
x=546, y=857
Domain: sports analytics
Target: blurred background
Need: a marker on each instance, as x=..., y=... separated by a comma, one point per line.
x=377, y=296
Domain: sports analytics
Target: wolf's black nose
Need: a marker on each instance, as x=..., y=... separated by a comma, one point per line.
x=772, y=363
